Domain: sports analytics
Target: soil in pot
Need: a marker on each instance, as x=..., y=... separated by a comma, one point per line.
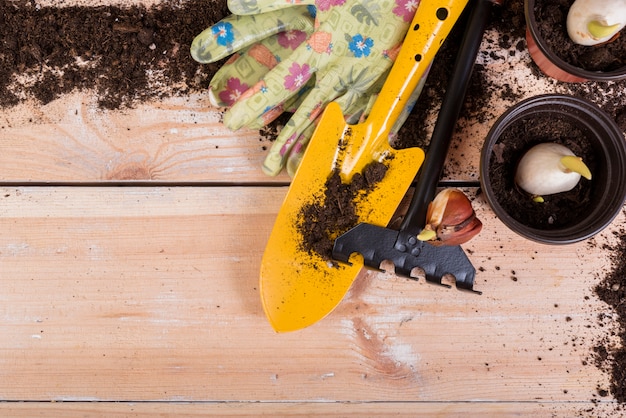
x=551, y=17
x=556, y=211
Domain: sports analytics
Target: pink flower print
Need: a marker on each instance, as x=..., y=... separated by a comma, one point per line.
x=406, y=9
x=324, y=5
x=233, y=91
x=285, y=148
x=298, y=76
x=298, y=147
x=291, y=38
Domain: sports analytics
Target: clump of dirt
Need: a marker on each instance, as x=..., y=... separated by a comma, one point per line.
x=612, y=290
x=551, y=17
x=330, y=215
x=127, y=54
x=556, y=211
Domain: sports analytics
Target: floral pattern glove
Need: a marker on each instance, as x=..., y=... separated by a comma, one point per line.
x=286, y=61
x=259, y=43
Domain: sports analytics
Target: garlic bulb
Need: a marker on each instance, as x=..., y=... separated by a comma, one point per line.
x=591, y=22
x=549, y=168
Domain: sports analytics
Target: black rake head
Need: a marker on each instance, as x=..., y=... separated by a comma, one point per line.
x=377, y=244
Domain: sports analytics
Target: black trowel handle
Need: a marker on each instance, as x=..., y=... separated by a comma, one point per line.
x=430, y=172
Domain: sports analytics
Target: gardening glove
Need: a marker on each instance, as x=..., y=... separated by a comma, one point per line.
x=344, y=58
x=258, y=43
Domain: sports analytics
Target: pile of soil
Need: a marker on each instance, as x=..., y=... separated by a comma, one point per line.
x=127, y=54
x=551, y=17
x=556, y=211
x=330, y=215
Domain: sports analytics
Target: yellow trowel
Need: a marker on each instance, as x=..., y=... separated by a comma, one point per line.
x=299, y=287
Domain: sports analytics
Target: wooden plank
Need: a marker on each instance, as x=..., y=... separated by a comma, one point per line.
x=178, y=139
x=299, y=409
x=150, y=294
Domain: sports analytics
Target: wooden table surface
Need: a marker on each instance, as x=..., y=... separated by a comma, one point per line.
x=130, y=244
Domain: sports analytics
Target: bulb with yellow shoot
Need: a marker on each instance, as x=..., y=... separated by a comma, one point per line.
x=450, y=219
x=592, y=22
x=550, y=168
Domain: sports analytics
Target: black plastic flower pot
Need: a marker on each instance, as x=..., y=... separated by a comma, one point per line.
x=553, y=64
x=566, y=217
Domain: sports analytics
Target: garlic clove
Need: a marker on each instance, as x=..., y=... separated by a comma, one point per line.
x=592, y=22
x=541, y=170
x=450, y=219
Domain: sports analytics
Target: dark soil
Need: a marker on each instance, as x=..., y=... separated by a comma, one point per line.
x=551, y=16
x=126, y=54
x=556, y=211
x=327, y=217
x=612, y=290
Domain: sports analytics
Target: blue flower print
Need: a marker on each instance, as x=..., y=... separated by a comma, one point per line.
x=312, y=10
x=224, y=34
x=360, y=46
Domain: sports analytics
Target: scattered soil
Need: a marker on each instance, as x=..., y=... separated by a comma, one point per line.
x=556, y=211
x=612, y=290
x=603, y=95
x=327, y=217
x=127, y=54
x=551, y=17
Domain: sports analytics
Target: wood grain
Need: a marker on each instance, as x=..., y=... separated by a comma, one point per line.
x=150, y=294
x=176, y=140
x=305, y=409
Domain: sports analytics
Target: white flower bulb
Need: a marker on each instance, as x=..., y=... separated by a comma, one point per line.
x=591, y=22
x=549, y=168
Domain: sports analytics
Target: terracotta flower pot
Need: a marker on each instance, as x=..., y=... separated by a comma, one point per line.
x=550, y=63
x=565, y=217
